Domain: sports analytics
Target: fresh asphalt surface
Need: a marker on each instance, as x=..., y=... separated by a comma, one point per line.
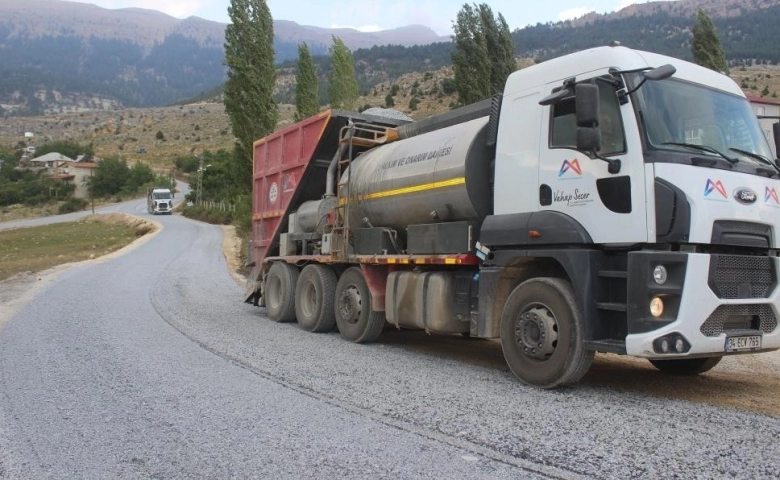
x=149, y=365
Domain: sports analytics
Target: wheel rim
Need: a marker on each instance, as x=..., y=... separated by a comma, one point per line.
x=536, y=332
x=350, y=305
x=274, y=292
x=308, y=299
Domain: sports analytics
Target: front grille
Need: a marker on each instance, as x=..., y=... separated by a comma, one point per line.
x=742, y=276
x=739, y=317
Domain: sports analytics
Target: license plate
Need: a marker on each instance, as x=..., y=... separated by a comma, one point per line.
x=749, y=342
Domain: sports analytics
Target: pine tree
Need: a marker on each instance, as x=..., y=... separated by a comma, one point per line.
x=706, y=47
x=342, y=82
x=249, y=56
x=306, y=101
x=484, y=53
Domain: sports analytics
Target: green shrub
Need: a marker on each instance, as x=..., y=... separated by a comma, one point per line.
x=72, y=204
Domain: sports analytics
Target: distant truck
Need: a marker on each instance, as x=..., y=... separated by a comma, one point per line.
x=159, y=200
x=611, y=200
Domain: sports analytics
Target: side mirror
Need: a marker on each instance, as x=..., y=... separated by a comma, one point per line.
x=661, y=73
x=586, y=105
x=588, y=139
x=776, y=136
x=586, y=108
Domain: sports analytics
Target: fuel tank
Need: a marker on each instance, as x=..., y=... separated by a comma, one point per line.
x=440, y=176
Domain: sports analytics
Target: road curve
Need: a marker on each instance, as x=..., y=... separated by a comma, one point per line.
x=149, y=365
x=135, y=207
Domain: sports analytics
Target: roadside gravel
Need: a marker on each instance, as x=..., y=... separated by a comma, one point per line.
x=418, y=406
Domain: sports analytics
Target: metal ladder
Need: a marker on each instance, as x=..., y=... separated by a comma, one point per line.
x=362, y=135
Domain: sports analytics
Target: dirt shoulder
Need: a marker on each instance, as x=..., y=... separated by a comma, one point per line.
x=745, y=382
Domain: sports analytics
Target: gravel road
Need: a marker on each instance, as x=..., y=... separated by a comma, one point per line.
x=148, y=365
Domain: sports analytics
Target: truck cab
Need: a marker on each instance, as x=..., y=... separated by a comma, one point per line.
x=653, y=188
x=159, y=200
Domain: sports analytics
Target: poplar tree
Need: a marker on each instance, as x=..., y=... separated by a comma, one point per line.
x=251, y=77
x=484, y=53
x=342, y=83
x=306, y=101
x=706, y=47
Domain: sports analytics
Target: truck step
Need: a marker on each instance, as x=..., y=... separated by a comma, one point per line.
x=613, y=273
x=609, y=345
x=614, y=307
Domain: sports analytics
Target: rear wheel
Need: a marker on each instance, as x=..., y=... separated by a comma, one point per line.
x=314, y=296
x=686, y=366
x=279, y=292
x=542, y=334
x=356, y=319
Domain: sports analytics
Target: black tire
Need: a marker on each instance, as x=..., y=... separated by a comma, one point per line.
x=356, y=320
x=314, y=297
x=279, y=292
x=686, y=366
x=542, y=335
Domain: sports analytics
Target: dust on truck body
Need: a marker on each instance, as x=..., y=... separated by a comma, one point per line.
x=610, y=200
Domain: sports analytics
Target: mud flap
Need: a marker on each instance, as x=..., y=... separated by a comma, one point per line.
x=253, y=290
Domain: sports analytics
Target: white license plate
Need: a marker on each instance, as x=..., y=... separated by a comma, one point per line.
x=749, y=342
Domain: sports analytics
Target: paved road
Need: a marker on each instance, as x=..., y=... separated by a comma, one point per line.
x=135, y=207
x=148, y=365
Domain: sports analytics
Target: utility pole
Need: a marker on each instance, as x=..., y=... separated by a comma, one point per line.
x=201, y=169
x=200, y=180
x=91, y=188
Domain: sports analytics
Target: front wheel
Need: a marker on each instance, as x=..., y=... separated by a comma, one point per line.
x=686, y=366
x=355, y=317
x=542, y=334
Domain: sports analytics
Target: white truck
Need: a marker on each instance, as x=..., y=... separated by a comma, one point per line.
x=159, y=200
x=611, y=200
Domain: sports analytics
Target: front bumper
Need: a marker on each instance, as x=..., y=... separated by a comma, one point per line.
x=703, y=319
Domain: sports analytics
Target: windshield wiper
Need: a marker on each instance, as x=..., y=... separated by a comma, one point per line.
x=704, y=148
x=757, y=156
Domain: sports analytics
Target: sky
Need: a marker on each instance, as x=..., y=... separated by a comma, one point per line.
x=382, y=14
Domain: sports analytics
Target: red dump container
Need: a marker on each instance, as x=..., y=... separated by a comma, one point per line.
x=280, y=164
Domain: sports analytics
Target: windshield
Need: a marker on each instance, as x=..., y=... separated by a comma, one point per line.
x=162, y=196
x=677, y=113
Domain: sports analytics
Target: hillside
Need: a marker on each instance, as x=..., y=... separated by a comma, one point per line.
x=747, y=29
x=194, y=128
x=59, y=57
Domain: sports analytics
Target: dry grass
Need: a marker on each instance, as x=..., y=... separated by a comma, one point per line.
x=18, y=212
x=38, y=248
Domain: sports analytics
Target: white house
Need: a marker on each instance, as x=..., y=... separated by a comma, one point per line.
x=50, y=160
x=75, y=173
x=768, y=112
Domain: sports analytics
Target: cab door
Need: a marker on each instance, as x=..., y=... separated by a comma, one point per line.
x=611, y=207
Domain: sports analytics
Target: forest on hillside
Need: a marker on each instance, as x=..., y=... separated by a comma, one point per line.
x=179, y=69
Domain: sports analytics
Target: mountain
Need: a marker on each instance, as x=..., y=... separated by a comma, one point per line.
x=747, y=29
x=680, y=8
x=58, y=56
